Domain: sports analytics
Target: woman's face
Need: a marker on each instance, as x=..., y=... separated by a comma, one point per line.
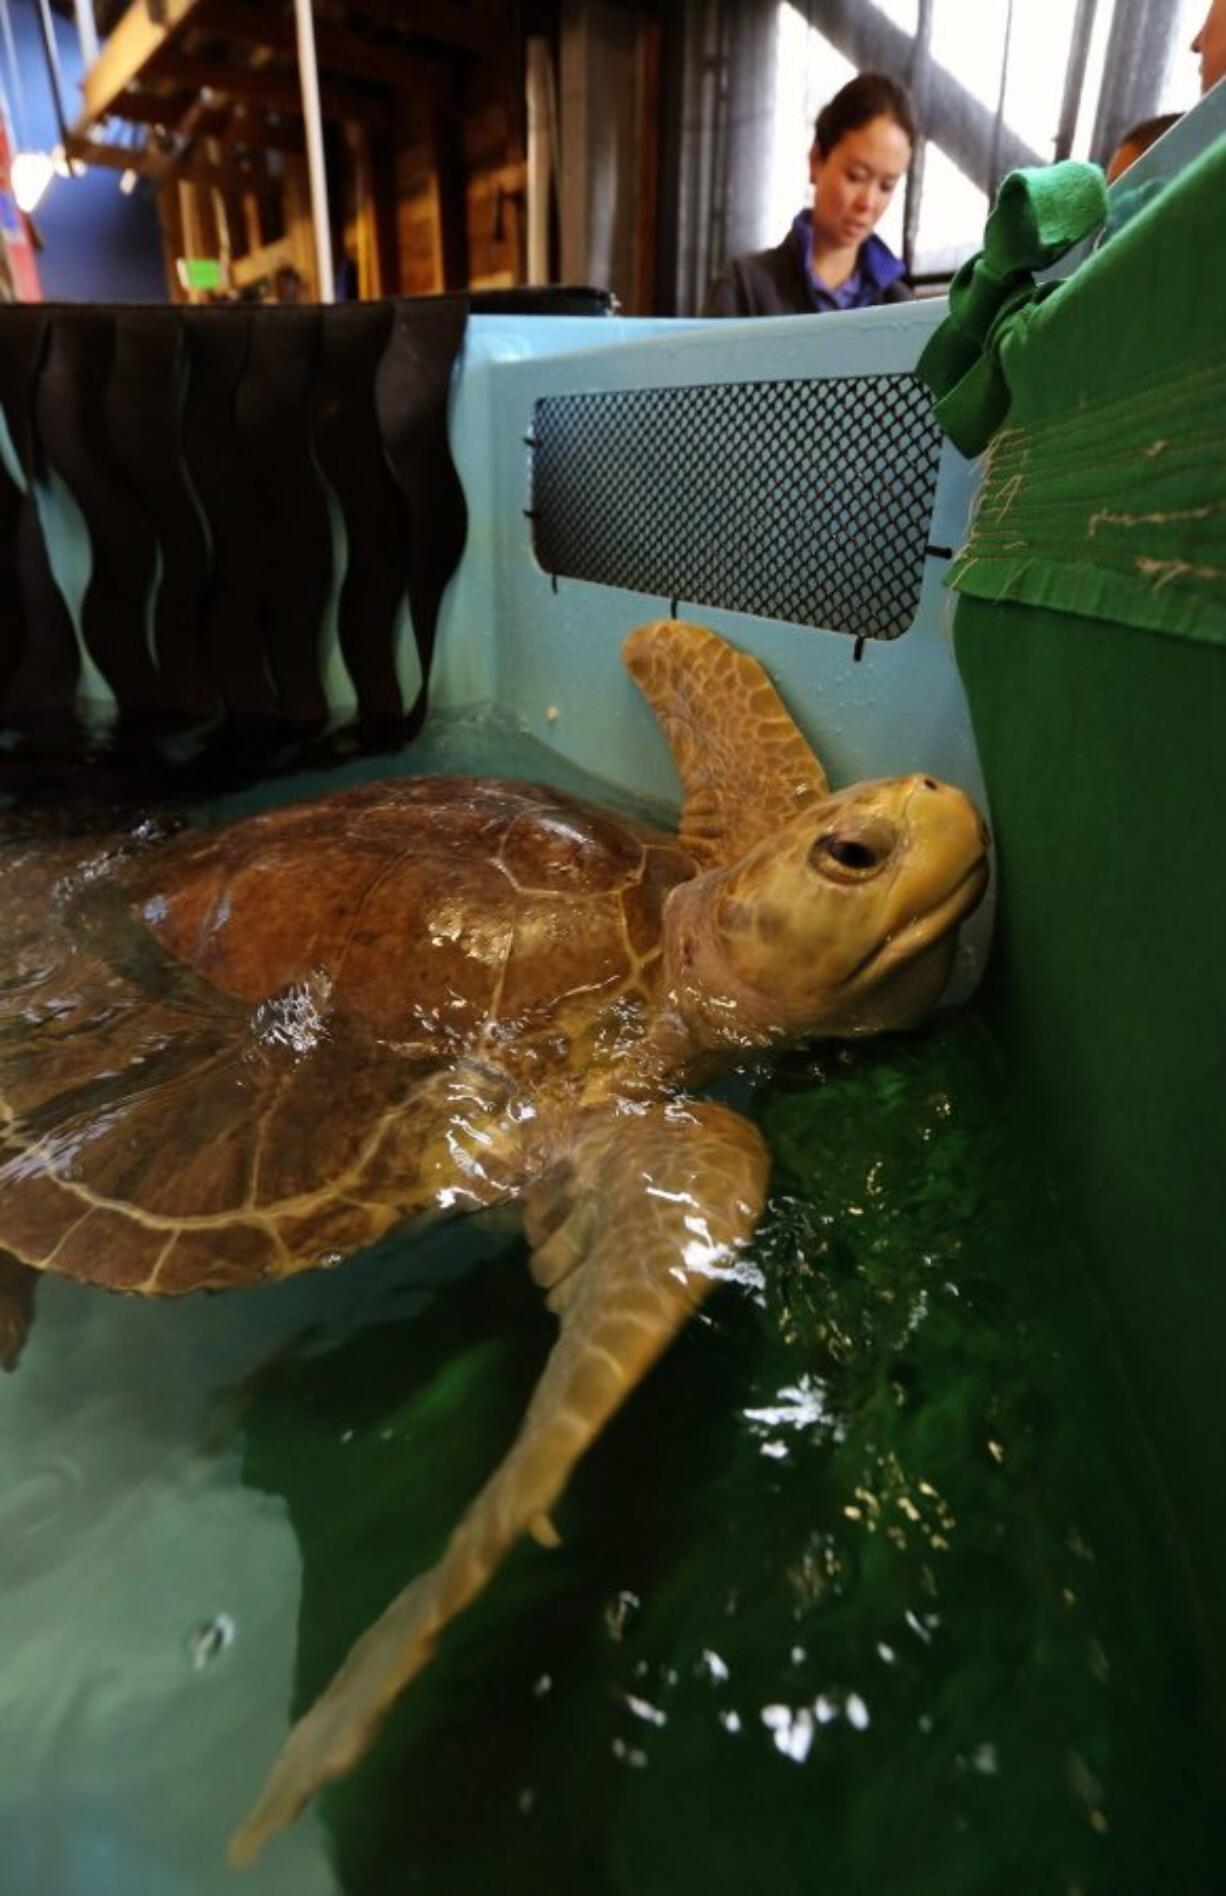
x=1210, y=43
x=854, y=184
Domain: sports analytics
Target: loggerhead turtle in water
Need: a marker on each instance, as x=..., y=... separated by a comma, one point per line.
x=248, y=1051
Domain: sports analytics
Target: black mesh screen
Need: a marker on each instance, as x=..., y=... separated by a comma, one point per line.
x=807, y=501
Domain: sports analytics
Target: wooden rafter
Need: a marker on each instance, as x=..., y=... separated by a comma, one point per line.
x=136, y=40
x=273, y=92
x=257, y=132
x=339, y=49
x=379, y=209
x=150, y=164
x=264, y=260
x=220, y=77
x=254, y=130
x=450, y=23
x=155, y=41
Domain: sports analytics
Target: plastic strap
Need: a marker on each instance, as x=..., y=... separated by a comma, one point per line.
x=411, y=392
x=349, y=449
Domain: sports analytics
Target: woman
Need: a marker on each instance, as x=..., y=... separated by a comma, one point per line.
x=830, y=259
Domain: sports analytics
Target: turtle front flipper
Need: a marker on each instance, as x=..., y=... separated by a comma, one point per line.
x=17, y=1286
x=630, y=1231
x=745, y=767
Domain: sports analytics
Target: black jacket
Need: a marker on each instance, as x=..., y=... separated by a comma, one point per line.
x=773, y=283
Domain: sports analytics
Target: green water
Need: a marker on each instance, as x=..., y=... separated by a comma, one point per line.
x=868, y=1589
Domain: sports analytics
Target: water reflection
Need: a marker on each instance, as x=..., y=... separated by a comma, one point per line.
x=541, y=1688
x=148, y=1608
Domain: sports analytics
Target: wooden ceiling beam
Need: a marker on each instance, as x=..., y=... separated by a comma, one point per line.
x=136, y=39
x=140, y=39
x=339, y=49
x=264, y=262
x=239, y=128
x=467, y=29
x=91, y=151
x=95, y=151
x=242, y=127
x=151, y=108
x=274, y=92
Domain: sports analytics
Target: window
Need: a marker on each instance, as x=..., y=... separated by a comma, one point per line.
x=995, y=83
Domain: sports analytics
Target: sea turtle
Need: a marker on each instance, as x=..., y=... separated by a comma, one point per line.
x=247, y=1051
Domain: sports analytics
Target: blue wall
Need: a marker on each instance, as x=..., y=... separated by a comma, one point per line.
x=98, y=245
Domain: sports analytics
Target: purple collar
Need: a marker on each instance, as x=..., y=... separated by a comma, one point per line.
x=876, y=268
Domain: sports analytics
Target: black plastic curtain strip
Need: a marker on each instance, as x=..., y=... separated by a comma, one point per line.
x=202, y=446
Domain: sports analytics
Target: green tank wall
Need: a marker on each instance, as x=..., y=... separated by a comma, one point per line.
x=1103, y=742
x=1103, y=751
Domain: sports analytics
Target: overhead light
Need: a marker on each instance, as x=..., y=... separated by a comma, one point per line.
x=30, y=172
x=128, y=181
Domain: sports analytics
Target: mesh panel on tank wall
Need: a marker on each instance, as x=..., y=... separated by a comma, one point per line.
x=204, y=450
x=808, y=501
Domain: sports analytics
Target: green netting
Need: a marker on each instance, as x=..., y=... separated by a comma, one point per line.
x=1104, y=752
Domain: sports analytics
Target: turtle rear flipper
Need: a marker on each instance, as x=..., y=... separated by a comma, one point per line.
x=631, y=1231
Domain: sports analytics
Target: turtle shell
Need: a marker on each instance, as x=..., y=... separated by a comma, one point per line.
x=234, y=1055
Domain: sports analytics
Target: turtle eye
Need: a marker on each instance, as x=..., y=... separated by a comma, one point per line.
x=850, y=854
x=851, y=857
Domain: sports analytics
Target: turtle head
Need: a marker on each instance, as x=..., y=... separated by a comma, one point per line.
x=843, y=922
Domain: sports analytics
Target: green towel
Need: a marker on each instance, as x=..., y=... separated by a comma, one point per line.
x=1038, y=215
x=1101, y=401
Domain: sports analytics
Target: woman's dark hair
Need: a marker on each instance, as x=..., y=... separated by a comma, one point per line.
x=868, y=96
x=1148, y=132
